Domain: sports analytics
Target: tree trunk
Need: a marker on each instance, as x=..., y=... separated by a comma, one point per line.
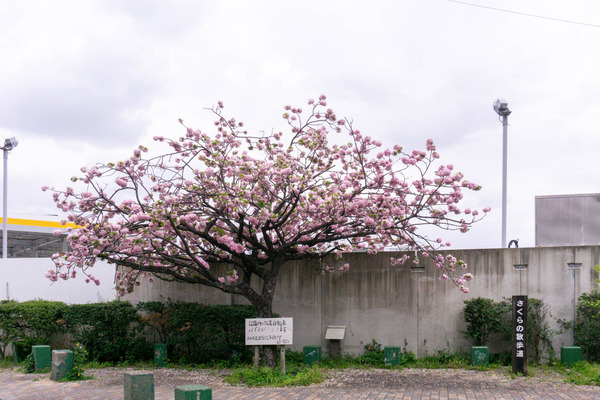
x=264, y=309
x=269, y=356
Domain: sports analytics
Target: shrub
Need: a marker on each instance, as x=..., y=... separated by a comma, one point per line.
x=539, y=334
x=79, y=357
x=483, y=317
x=587, y=326
x=28, y=365
x=374, y=355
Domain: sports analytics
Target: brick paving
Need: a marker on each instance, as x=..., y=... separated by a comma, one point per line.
x=478, y=387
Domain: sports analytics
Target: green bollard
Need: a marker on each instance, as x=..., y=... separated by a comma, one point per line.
x=312, y=354
x=42, y=356
x=480, y=355
x=160, y=354
x=193, y=392
x=569, y=355
x=392, y=355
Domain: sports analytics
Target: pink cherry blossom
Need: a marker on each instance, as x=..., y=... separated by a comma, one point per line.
x=248, y=202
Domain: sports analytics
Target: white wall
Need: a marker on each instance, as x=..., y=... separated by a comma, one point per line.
x=23, y=279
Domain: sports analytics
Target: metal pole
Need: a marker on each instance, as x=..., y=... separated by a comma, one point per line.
x=501, y=108
x=5, y=208
x=504, y=168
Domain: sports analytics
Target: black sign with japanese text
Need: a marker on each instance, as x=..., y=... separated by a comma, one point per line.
x=519, y=335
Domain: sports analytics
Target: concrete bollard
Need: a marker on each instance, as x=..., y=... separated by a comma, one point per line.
x=193, y=392
x=138, y=386
x=62, y=362
x=42, y=356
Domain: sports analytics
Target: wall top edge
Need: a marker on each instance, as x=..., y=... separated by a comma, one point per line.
x=567, y=196
x=486, y=249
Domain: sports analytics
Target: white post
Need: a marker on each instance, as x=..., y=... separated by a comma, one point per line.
x=5, y=208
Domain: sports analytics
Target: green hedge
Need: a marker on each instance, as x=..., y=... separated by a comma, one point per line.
x=117, y=331
x=29, y=323
x=199, y=333
x=108, y=331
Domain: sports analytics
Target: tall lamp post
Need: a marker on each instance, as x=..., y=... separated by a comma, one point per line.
x=9, y=144
x=501, y=108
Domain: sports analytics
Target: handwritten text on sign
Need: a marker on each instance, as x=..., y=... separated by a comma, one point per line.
x=269, y=331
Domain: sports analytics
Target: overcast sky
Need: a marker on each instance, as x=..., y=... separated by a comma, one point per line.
x=87, y=81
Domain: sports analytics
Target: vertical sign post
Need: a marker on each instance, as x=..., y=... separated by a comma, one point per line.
x=519, y=335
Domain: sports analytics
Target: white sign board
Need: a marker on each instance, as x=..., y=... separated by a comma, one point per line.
x=269, y=331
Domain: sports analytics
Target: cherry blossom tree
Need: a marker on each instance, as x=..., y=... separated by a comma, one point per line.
x=226, y=208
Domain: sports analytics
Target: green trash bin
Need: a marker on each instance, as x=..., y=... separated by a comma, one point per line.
x=312, y=354
x=480, y=355
x=392, y=355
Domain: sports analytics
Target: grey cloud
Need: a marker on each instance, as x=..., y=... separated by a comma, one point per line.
x=99, y=94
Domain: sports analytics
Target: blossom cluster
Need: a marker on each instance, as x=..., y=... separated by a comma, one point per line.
x=249, y=203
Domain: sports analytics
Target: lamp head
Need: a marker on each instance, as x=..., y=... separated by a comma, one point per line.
x=501, y=107
x=10, y=143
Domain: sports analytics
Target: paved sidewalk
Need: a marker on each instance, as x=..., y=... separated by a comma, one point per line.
x=40, y=387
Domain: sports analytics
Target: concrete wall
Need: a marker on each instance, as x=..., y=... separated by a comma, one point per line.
x=23, y=279
x=569, y=219
x=396, y=305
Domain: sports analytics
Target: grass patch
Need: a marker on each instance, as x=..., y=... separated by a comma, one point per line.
x=264, y=376
x=581, y=373
x=73, y=378
x=6, y=362
x=98, y=365
x=584, y=373
x=344, y=361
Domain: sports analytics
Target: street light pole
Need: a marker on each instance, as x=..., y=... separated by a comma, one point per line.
x=501, y=108
x=9, y=144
